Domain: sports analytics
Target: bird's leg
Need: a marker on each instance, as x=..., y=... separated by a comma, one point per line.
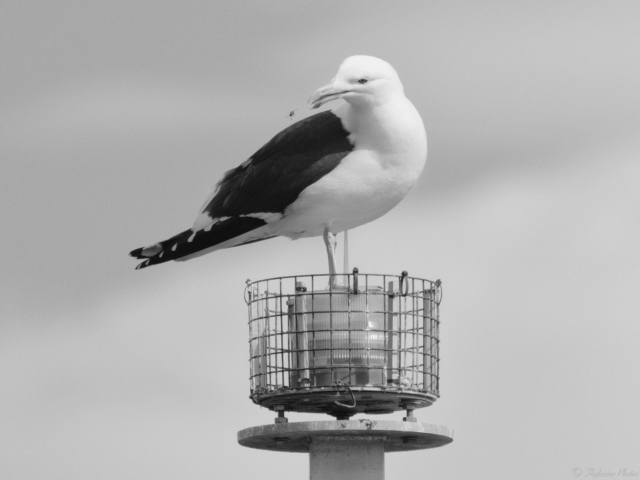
x=330, y=243
x=345, y=264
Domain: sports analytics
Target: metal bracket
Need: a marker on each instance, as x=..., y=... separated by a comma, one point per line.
x=355, y=280
x=410, y=417
x=247, y=292
x=404, y=284
x=337, y=384
x=280, y=418
x=438, y=289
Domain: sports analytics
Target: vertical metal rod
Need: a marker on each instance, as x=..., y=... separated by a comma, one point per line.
x=346, y=257
x=402, y=335
x=293, y=344
x=281, y=335
x=414, y=334
x=265, y=340
x=262, y=341
x=349, y=343
x=426, y=338
x=365, y=335
x=435, y=340
x=301, y=326
x=332, y=345
x=252, y=364
x=313, y=327
x=388, y=327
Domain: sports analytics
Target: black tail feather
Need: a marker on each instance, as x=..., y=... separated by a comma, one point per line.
x=179, y=245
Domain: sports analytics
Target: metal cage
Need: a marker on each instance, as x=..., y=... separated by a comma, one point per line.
x=370, y=346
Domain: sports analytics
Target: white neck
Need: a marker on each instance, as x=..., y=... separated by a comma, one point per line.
x=383, y=126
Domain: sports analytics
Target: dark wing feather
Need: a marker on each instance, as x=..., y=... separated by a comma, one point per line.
x=179, y=245
x=275, y=175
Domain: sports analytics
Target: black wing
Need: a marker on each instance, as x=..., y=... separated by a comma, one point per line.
x=269, y=181
x=274, y=176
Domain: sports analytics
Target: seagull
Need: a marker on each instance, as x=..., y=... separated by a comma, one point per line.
x=327, y=173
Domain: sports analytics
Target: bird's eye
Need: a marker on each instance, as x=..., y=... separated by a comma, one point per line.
x=362, y=81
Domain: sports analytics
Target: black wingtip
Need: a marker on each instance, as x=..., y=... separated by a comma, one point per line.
x=143, y=264
x=137, y=253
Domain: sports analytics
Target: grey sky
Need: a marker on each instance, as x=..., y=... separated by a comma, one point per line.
x=117, y=118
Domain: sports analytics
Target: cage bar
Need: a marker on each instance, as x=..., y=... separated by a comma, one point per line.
x=371, y=346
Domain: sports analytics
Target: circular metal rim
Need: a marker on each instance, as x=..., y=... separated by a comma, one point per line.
x=250, y=282
x=368, y=400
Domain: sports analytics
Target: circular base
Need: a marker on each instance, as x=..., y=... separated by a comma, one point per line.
x=297, y=436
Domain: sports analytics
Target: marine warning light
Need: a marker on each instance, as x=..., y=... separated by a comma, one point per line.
x=369, y=346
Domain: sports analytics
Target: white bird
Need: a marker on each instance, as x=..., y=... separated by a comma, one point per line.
x=327, y=173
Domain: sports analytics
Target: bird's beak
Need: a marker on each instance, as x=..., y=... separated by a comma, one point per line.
x=326, y=94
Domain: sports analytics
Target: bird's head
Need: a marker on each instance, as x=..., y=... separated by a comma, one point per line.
x=360, y=80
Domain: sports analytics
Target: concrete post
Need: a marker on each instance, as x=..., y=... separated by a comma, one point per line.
x=347, y=458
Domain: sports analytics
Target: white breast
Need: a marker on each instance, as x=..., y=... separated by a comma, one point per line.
x=389, y=156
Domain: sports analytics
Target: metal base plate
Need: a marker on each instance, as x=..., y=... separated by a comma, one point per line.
x=368, y=401
x=297, y=436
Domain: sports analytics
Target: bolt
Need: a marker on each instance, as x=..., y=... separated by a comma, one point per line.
x=410, y=417
x=281, y=418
